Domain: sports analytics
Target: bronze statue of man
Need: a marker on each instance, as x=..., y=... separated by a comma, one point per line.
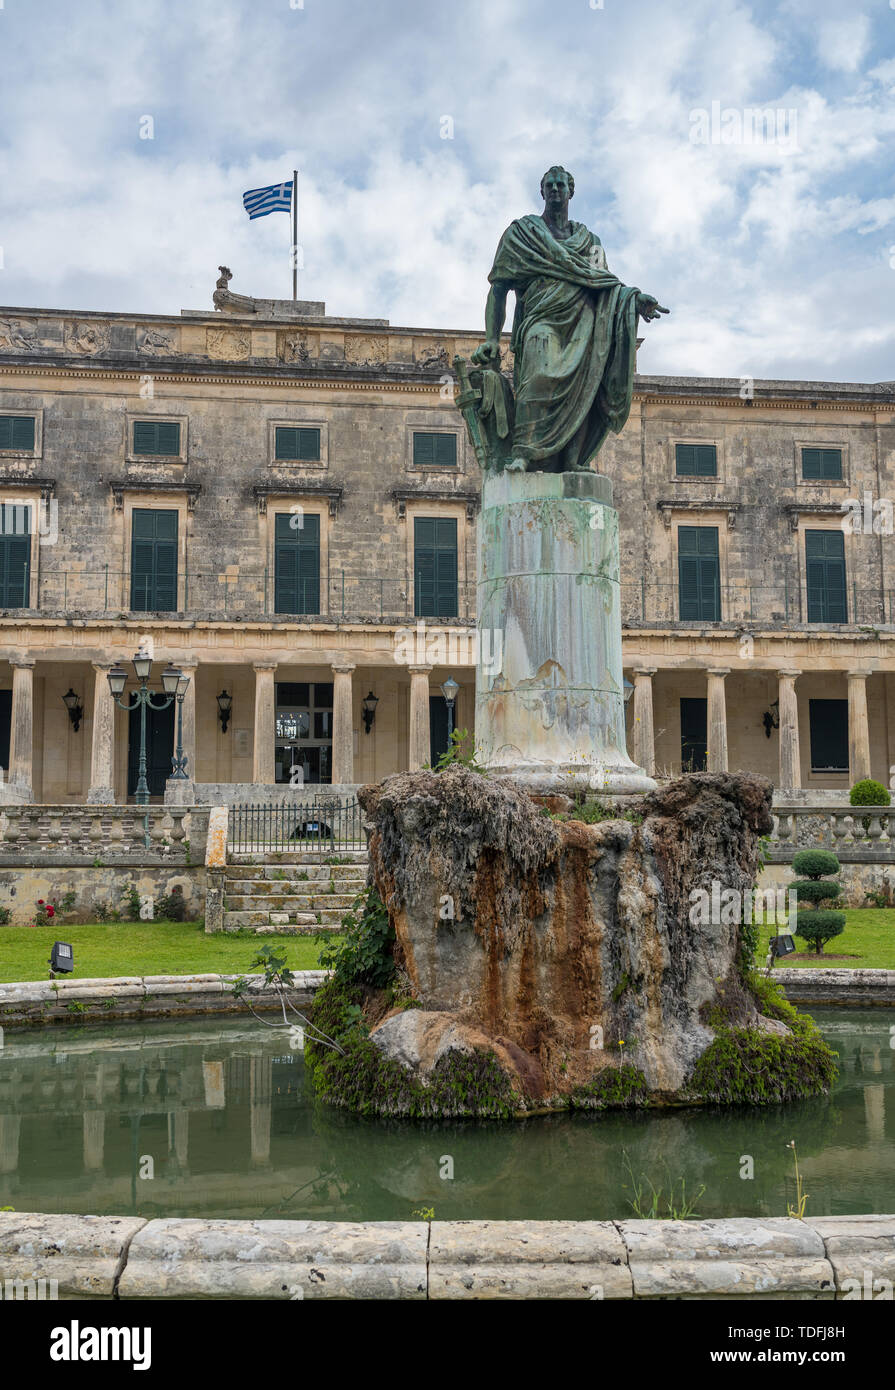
x=574, y=334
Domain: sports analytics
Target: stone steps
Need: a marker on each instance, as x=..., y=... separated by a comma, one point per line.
x=287, y=922
x=289, y=902
x=291, y=894
x=299, y=873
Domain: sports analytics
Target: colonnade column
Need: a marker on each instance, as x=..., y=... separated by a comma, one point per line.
x=343, y=724
x=420, y=743
x=717, y=719
x=189, y=668
x=101, y=791
x=643, y=734
x=858, y=727
x=788, y=706
x=264, y=759
x=21, y=751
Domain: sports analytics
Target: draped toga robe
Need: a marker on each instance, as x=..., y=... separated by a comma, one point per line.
x=574, y=339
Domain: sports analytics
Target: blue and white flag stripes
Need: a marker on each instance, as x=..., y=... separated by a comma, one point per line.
x=259, y=202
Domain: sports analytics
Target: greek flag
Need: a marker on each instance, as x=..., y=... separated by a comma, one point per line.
x=258, y=202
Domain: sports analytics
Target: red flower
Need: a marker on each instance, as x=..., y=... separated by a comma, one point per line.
x=40, y=902
x=51, y=912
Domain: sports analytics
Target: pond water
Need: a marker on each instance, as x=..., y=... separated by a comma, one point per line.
x=204, y=1118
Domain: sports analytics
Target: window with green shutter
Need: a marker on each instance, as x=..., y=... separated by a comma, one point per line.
x=153, y=561
x=157, y=437
x=15, y=555
x=17, y=432
x=699, y=574
x=828, y=727
x=434, y=450
x=696, y=460
x=825, y=577
x=822, y=465
x=299, y=443
x=435, y=567
x=297, y=563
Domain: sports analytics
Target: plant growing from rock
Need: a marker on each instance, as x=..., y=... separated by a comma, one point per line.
x=817, y=925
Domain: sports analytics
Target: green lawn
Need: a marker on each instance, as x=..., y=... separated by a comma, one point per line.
x=867, y=942
x=142, y=948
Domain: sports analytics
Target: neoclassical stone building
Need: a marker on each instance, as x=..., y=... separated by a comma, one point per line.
x=283, y=504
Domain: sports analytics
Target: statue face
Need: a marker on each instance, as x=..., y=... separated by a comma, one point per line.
x=556, y=188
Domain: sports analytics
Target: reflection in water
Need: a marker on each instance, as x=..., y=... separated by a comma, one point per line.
x=205, y=1118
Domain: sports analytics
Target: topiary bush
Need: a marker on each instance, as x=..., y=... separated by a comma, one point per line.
x=869, y=793
x=817, y=925
x=814, y=863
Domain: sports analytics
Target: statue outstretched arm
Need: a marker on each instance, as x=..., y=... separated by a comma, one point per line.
x=488, y=353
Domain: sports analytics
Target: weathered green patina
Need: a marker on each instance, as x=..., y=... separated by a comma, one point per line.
x=574, y=340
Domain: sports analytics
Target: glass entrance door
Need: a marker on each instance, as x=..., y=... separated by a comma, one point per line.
x=304, y=732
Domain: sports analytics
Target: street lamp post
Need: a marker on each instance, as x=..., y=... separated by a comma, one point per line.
x=450, y=690
x=143, y=700
x=179, y=761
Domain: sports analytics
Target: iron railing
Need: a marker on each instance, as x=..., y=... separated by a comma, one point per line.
x=239, y=593
x=320, y=823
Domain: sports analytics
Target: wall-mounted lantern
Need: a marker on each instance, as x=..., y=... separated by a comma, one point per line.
x=369, y=711
x=225, y=705
x=75, y=709
x=771, y=718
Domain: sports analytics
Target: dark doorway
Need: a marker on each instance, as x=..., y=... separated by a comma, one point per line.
x=5, y=726
x=694, y=735
x=159, y=749
x=438, y=728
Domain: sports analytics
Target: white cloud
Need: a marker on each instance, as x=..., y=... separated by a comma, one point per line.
x=764, y=253
x=842, y=43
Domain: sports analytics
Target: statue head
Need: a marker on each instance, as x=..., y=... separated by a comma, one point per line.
x=557, y=183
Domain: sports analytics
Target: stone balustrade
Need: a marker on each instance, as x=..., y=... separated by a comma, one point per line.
x=855, y=834
x=115, y=835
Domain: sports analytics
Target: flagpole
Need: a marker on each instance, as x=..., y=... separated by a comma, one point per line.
x=295, y=234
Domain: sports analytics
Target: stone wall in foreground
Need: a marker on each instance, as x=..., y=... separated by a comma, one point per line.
x=114, y=1257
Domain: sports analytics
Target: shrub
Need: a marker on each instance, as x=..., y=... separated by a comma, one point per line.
x=813, y=863
x=5, y=915
x=818, y=927
x=869, y=793
x=171, y=907
x=365, y=955
x=814, y=890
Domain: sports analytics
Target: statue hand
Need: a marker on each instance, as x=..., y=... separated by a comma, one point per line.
x=648, y=307
x=487, y=353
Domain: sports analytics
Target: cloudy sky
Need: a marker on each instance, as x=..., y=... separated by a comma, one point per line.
x=421, y=128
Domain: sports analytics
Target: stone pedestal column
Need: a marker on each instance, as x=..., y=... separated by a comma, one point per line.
x=21, y=745
x=717, y=719
x=858, y=727
x=343, y=724
x=550, y=713
x=420, y=750
x=264, y=762
x=643, y=734
x=788, y=705
x=102, y=750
